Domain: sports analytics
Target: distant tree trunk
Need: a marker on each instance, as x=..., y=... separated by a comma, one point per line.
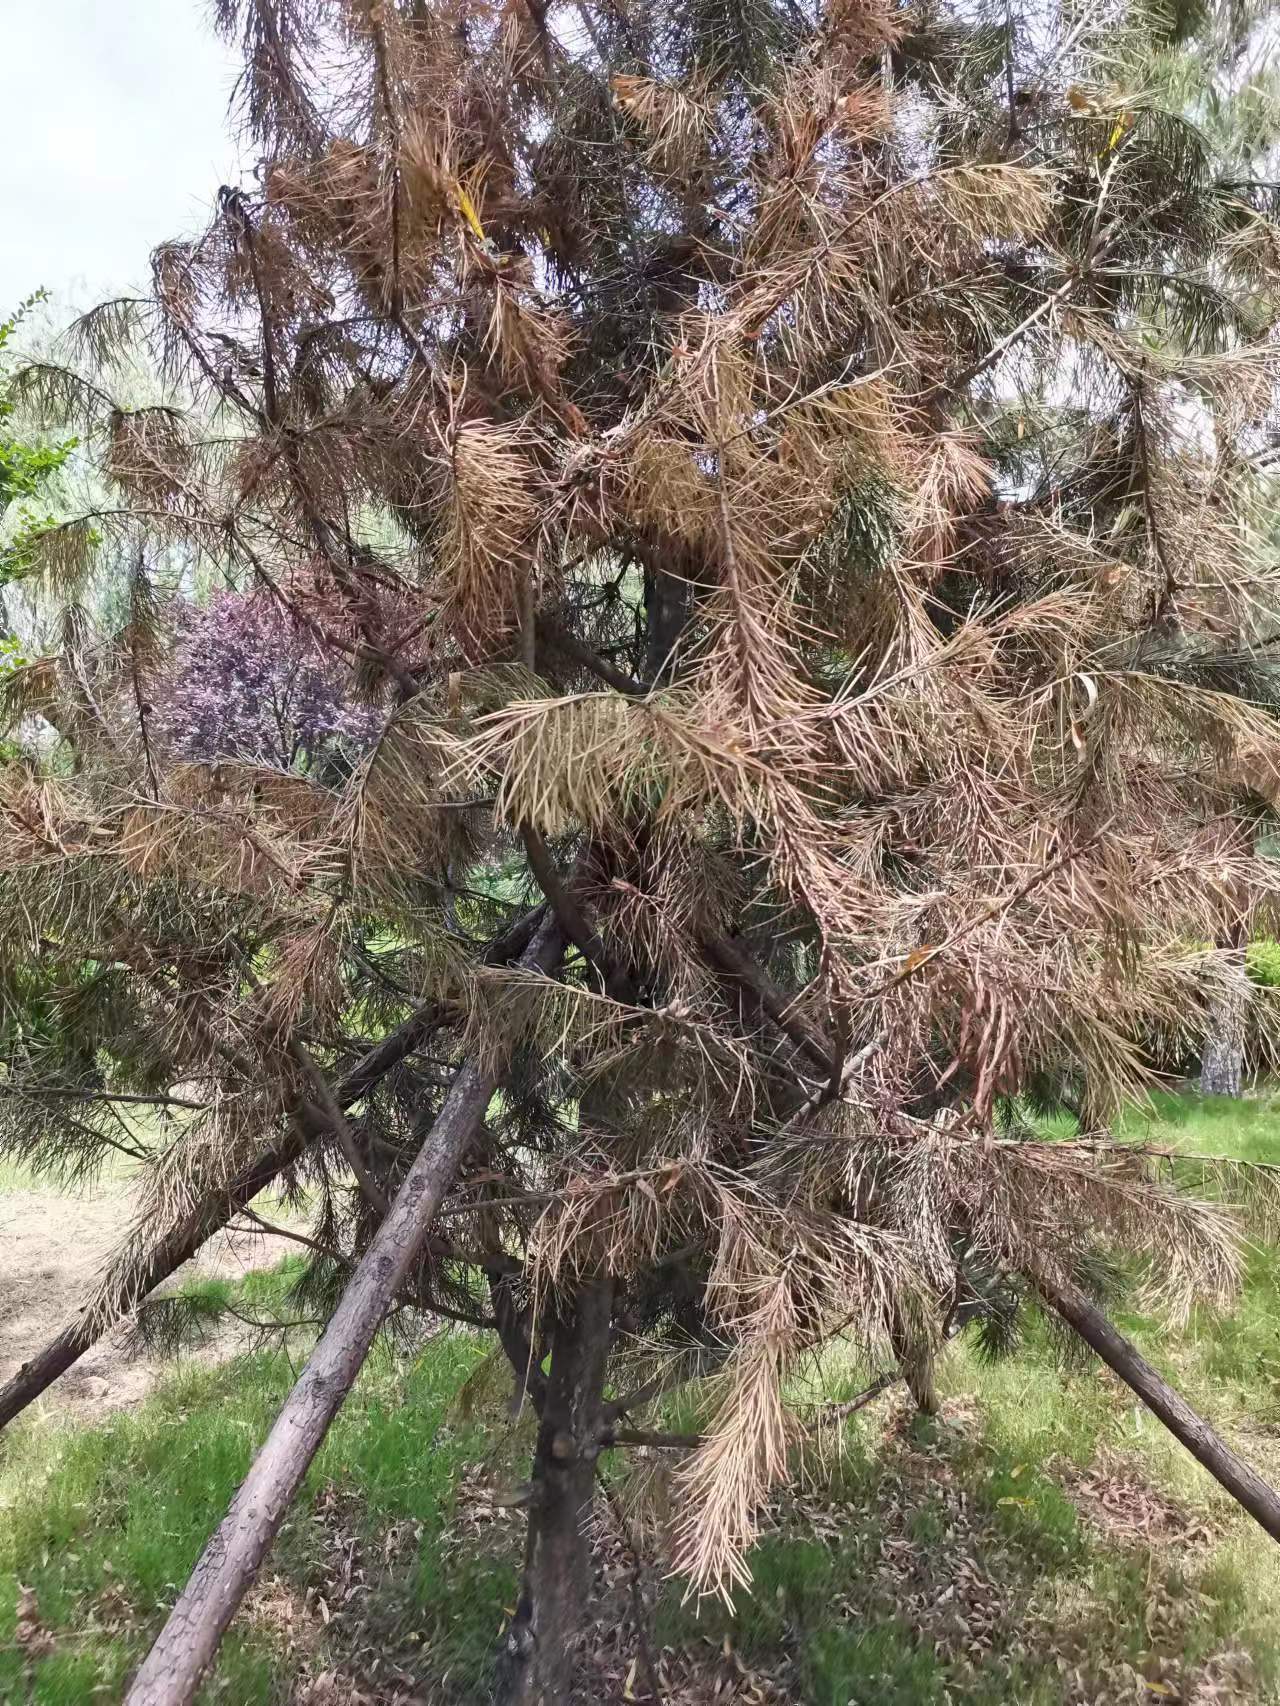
x=1222, y=1060
x=535, y=1666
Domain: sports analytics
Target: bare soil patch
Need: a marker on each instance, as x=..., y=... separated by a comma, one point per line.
x=52, y=1249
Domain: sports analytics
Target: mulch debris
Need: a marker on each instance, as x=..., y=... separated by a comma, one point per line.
x=929, y=1558
x=1115, y=1497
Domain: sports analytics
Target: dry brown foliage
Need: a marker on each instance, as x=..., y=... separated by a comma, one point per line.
x=815, y=510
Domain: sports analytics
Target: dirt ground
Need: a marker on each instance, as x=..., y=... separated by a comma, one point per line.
x=52, y=1248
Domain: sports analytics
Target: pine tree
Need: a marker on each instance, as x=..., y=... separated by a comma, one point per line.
x=784, y=484
x=1216, y=69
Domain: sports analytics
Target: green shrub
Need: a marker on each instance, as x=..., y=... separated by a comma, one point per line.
x=1262, y=957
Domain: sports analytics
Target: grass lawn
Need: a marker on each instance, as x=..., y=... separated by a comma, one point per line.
x=1043, y=1541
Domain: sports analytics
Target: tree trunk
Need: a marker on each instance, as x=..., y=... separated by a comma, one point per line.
x=1244, y=1484
x=1222, y=1061
x=916, y=1360
x=669, y=597
x=535, y=1666
x=172, y=1670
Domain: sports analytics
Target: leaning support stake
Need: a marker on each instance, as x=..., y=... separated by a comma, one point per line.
x=1244, y=1484
x=36, y=1376
x=39, y=1373
x=172, y=1670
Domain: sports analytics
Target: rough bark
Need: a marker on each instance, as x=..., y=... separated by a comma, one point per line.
x=1208, y=1448
x=535, y=1667
x=917, y=1361
x=79, y=1336
x=172, y=1670
x=669, y=597
x=1222, y=1060
x=733, y=959
x=517, y=1346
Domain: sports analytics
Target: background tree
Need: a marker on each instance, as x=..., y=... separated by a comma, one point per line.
x=250, y=681
x=786, y=483
x=1218, y=69
x=26, y=468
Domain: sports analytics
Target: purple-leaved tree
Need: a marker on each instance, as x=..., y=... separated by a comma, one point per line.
x=251, y=681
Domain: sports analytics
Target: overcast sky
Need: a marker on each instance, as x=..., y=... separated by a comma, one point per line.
x=114, y=117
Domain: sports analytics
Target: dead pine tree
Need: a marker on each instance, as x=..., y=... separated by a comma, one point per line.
x=757, y=507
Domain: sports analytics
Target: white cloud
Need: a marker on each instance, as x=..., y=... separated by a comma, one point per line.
x=117, y=137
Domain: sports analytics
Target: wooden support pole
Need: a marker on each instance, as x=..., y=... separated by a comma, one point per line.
x=1208, y=1448
x=38, y=1374
x=186, y=1646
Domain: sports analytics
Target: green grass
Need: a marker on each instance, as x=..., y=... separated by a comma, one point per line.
x=864, y=1586
x=1106, y=1604
x=1248, y=1129
x=105, y=1523
x=17, y=1176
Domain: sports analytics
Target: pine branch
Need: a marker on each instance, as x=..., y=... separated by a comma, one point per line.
x=333, y=1116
